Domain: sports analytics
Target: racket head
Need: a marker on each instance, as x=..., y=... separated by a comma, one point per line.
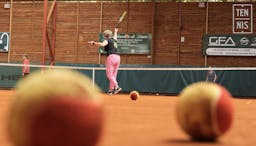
x=122, y=17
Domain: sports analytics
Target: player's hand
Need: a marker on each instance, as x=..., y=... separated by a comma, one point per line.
x=91, y=42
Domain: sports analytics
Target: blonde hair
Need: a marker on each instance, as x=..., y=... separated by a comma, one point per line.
x=108, y=33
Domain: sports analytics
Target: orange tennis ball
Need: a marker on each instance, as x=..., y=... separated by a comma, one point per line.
x=56, y=108
x=134, y=95
x=205, y=111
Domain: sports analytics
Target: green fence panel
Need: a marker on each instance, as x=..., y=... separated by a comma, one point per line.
x=101, y=79
x=9, y=76
x=241, y=83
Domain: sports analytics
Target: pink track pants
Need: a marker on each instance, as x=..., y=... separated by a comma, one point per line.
x=112, y=65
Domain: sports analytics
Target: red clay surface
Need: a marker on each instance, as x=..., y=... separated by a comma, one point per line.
x=151, y=121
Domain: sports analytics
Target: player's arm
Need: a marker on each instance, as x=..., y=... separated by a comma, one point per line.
x=115, y=33
x=101, y=44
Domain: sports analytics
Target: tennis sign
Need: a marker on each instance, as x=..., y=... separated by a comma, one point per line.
x=242, y=18
x=229, y=45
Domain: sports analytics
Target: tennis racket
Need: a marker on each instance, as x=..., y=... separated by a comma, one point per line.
x=121, y=18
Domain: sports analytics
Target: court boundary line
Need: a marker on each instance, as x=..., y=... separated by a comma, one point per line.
x=131, y=68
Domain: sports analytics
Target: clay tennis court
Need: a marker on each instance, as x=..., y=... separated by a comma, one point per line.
x=150, y=121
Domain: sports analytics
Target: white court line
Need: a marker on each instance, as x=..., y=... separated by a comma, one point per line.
x=132, y=68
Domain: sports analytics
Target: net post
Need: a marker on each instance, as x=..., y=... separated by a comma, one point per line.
x=93, y=76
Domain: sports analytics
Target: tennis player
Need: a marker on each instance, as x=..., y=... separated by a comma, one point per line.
x=113, y=59
x=25, y=67
x=211, y=76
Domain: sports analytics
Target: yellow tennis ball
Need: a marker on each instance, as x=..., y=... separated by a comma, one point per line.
x=205, y=111
x=56, y=107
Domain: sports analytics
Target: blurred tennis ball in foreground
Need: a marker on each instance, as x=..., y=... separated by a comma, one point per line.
x=56, y=108
x=205, y=111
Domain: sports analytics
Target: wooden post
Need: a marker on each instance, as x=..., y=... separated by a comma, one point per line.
x=180, y=29
x=44, y=31
x=54, y=19
x=153, y=32
x=51, y=43
x=77, y=30
x=206, y=30
x=10, y=33
x=101, y=15
x=101, y=21
x=51, y=11
x=126, y=56
x=127, y=20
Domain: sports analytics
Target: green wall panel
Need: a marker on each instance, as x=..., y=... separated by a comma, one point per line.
x=241, y=83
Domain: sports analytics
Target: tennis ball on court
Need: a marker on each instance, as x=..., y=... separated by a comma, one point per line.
x=134, y=95
x=56, y=108
x=205, y=111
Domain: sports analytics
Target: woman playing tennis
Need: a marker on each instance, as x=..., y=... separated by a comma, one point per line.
x=113, y=59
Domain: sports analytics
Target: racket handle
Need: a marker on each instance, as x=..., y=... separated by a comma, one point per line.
x=117, y=25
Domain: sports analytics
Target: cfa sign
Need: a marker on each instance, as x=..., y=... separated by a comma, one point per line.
x=221, y=41
x=242, y=18
x=229, y=45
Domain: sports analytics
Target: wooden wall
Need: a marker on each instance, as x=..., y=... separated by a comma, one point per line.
x=4, y=26
x=79, y=22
